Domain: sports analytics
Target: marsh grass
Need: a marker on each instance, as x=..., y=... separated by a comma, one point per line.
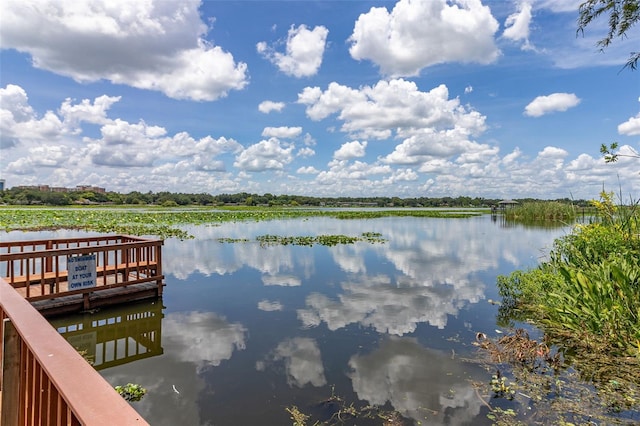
x=542, y=211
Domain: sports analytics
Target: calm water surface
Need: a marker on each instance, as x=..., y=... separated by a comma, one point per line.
x=244, y=331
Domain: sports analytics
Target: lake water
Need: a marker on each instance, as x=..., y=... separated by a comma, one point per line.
x=245, y=331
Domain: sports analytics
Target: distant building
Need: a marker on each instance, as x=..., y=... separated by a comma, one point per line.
x=43, y=188
x=1, y=184
x=95, y=189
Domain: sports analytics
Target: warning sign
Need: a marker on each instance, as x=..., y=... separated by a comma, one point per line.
x=82, y=271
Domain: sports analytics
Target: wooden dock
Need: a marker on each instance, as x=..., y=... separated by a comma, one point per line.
x=75, y=274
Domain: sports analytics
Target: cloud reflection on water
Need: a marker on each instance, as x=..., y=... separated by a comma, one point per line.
x=426, y=271
x=270, y=306
x=302, y=361
x=420, y=383
x=202, y=338
x=387, y=307
x=418, y=248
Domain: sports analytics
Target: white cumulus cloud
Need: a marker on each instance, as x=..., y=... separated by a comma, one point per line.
x=265, y=155
x=155, y=44
x=631, y=127
x=304, y=50
x=350, y=150
x=418, y=34
x=266, y=107
x=517, y=25
x=542, y=105
x=281, y=132
x=308, y=170
x=389, y=106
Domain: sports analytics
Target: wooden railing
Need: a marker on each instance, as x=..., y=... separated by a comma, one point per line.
x=44, y=381
x=39, y=269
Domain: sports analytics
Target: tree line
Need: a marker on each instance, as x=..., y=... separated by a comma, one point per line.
x=23, y=196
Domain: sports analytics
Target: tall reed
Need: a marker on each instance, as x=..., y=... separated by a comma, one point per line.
x=541, y=211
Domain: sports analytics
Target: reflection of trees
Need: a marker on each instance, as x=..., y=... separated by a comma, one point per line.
x=420, y=383
x=302, y=360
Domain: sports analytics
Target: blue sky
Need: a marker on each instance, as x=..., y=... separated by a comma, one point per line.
x=330, y=98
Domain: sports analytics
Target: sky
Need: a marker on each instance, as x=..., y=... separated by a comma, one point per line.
x=432, y=98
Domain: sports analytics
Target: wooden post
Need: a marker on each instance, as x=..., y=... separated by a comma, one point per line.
x=158, y=259
x=10, y=376
x=47, y=266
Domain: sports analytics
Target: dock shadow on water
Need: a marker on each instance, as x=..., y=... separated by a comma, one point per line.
x=362, y=333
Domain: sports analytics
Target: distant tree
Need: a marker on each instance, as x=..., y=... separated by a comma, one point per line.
x=55, y=198
x=114, y=197
x=134, y=197
x=623, y=14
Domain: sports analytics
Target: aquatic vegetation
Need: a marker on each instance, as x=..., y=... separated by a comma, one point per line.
x=167, y=222
x=500, y=387
x=325, y=240
x=131, y=392
x=334, y=410
x=297, y=416
x=233, y=240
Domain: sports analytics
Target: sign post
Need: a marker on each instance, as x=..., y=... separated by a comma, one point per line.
x=82, y=271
